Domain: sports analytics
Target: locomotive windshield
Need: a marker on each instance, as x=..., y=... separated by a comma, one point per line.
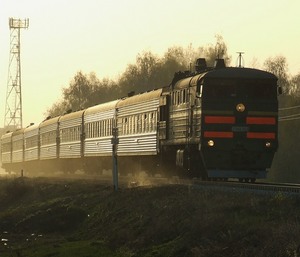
x=226, y=88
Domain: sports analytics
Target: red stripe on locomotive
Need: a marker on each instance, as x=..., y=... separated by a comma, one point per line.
x=220, y=119
x=260, y=135
x=261, y=120
x=218, y=134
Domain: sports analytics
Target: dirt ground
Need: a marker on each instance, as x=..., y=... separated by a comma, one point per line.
x=67, y=217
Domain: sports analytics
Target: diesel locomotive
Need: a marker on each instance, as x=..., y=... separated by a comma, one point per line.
x=217, y=122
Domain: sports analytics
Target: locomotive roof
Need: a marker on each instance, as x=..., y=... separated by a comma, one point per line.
x=240, y=73
x=140, y=98
x=225, y=73
x=101, y=107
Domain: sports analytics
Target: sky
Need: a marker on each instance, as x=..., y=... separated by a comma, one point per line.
x=104, y=36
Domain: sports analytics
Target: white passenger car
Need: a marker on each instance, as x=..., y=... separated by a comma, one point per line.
x=137, y=119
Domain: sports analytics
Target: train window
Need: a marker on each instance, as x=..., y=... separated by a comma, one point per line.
x=180, y=97
x=6, y=147
x=18, y=145
x=95, y=129
x=104, y=132
x=175, y=98
x=185, y=96
x=221, y=91
x=31, y=142
x=259, y=89
x=95, y=126
x=111, y=127
x=70, y=134
x=139, y=124
x=129, y=125
x=91, y=130
x=108, y=128
x=105, y=128
x=199, y=91
x=87, y=130
x=152, y=121
x=124, y=122
x=99, y=128
x=146, y=123
x=135, y=124
x=48, y=138
x=219, y=88
x=142, y=124
x=98, y=131
x=249, y=88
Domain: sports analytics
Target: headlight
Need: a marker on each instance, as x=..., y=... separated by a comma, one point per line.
x=268, y=144
x=211, y=143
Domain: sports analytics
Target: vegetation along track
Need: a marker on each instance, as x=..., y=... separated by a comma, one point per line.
x=143, y=180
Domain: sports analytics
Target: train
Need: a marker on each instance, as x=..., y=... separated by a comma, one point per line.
x=213, y=123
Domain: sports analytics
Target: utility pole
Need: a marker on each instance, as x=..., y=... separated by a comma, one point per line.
x=240, y=60
x=13, y=107
x=115, y=142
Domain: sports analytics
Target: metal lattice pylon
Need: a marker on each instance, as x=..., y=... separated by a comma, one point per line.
x=13, y=106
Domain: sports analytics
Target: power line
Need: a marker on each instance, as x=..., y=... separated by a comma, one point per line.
x=289, y=108
x=290, y=116
x=289, y=119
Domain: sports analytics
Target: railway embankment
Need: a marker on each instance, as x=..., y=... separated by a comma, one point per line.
x=46, y=217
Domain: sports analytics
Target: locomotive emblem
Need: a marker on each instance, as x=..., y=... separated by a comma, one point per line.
x=240, y=107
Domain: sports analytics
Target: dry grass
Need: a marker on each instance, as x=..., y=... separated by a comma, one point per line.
x=168, y=220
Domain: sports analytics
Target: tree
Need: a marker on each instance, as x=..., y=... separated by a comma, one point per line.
x=147, y=73
x=278, y=65
x=295, y=85
x=104, y=90
x=57, y=109
x=140, y=77
x=212, y=52
x=84, y=91
x=77, y=95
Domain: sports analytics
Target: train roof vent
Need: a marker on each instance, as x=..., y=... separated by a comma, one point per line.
x=200, y=65
x=219, y=64
x=131, y=93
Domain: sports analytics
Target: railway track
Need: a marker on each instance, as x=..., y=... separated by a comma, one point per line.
x=144, y=180
x=258, y=187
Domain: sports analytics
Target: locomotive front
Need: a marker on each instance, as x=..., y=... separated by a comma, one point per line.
x=239, y=122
